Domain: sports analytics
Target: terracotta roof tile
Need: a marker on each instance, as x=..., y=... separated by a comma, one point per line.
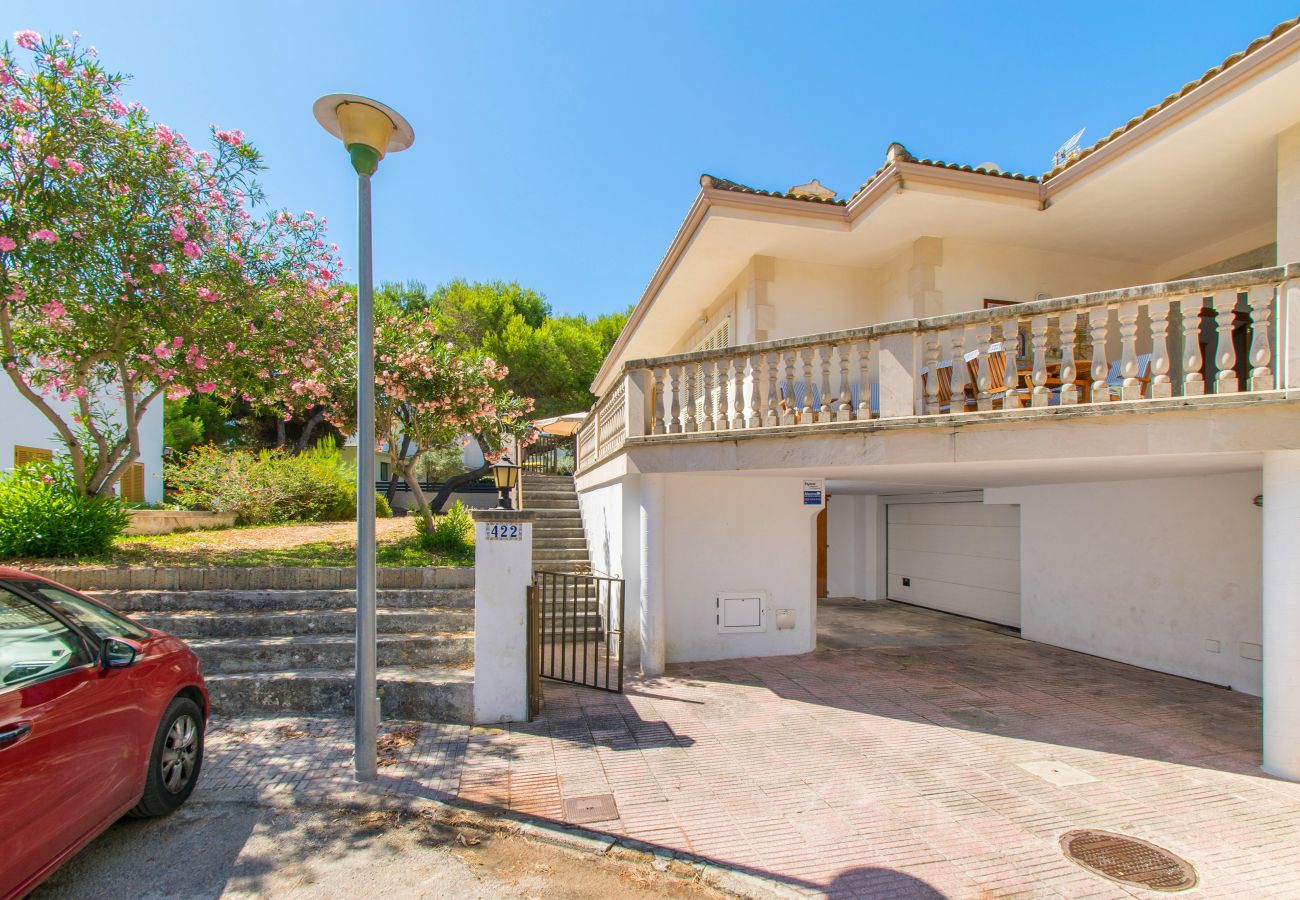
x=899, y=152
x=1186, y=89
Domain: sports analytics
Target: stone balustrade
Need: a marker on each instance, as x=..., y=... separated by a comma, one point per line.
x=1222, y=334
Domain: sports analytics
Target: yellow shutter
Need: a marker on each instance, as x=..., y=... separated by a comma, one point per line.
x=25, y=455
x=133, y=483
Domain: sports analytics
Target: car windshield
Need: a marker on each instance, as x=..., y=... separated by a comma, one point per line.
x=90, y=616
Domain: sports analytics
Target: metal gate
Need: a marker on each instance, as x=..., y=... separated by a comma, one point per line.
x=576, y=631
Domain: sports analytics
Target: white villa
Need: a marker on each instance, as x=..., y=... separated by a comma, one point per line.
x=26, y=435
x=1065, y=403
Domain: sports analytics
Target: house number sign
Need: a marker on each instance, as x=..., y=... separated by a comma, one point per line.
x=503, y=531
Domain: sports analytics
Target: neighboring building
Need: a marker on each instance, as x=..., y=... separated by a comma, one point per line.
x=1034, y=400
x=27, y=435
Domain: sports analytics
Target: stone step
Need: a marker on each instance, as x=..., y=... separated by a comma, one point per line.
x=558, y=528
x=551, y=503
x=226, y=656
x=547, y=479
x=434, y=694
x=281, y=623
x=275, y=600
x=559, y=556
x=571, y=517
x=552, y=542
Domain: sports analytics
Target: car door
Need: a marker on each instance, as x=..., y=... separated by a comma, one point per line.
x=54, y=762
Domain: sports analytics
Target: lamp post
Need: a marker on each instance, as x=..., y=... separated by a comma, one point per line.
x=369, y=130
x=505, y=475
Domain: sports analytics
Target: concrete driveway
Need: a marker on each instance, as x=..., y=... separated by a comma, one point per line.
x=915, y=754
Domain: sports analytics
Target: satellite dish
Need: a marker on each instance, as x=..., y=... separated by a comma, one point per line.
x=1068, y=150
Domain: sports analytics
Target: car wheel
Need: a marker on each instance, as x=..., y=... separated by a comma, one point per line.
x=175, y=761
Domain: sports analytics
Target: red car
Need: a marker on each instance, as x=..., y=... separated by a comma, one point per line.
x=99, y=718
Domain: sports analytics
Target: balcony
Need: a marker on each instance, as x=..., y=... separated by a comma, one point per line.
x=1198, y=342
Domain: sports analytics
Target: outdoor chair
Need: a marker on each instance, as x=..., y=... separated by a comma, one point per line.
x=1115, y=381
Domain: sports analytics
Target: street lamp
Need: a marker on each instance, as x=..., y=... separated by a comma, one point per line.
x=369, y=130
x=506, y=475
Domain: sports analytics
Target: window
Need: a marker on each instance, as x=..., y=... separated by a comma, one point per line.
x=384, y=471
x=25, y=455
x=132, y=485
x=100, y=622
x=34, y=644
x=717, y=339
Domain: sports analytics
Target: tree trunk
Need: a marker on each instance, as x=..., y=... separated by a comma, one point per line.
x=304, y=439
x=392, y=476
x=451, y=485
x=280, y=437
x=417, y=493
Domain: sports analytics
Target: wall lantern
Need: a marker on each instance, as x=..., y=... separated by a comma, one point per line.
x=506, y=475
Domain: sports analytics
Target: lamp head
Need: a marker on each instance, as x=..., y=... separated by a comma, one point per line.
x=505, y=474
x=369, y=129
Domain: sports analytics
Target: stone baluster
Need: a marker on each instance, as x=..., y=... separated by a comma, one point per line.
x=1225, y=356
x=1011, y=371
x=773, y=389
x=824, y=410
x=957, y=339
x=660, y=402
x=864, y=372
x=930, y=343
x=1193, y=380
x=806, y=411
x=788, y=417
x=722, y=421
x=1040, y=396
x=675, y=374
x=1161, y=387
x=1261, y=351
x=1098, y=324
x=736, y=367
x=688, y=388
x=845, y=411
x=705, y=378
x=755, y=390
x=983, y=377
x=1067, y=323
x=1131, y=388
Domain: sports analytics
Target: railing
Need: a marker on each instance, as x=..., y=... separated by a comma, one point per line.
x=481, y=486
x=550, y=454
x=1214, y=335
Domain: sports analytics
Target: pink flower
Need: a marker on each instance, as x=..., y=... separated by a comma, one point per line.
x=80, y=391
x=207, y=295
x=117, y=107
x=179, y=232
x=74, y=167
x=162, y=351
x=27, y=39
x=45, y=235
x=54, y=310
x=191, y=249
x=157, y=268
x=53, y=162
x=233, y=138
x=206, y=387
x=6, y=243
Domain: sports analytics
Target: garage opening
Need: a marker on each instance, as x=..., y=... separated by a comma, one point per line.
x=955, y=554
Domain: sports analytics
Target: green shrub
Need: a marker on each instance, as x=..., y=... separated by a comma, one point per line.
x=43, y=515
x=269, y=487
x=453, y=532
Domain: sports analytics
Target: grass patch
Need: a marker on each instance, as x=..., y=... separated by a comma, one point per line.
x=314, y=544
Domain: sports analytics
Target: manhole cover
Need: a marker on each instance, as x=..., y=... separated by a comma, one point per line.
x=1128, y=860
x=596, y=808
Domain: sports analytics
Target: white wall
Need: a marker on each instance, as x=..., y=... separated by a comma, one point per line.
x=1146, y=572
x=22, y=424
x=726, y=533
x=610, y=520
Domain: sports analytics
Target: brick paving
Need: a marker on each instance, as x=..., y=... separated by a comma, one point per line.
x=889, y=763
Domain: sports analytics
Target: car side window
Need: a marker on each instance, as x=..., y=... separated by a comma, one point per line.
x=94, y=618
x=34, y=644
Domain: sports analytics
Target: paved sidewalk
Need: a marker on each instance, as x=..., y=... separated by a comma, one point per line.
x=899, y=764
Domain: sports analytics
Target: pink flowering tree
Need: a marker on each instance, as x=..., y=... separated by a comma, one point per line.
x=431, y=393
x=132, y=264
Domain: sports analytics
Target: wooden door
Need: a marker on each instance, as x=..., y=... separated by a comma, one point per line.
x=821, y=552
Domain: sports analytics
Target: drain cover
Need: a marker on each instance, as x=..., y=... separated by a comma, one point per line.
x=596, y=808
x=1128, y=860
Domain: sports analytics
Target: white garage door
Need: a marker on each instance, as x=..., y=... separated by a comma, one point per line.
x=961, y=558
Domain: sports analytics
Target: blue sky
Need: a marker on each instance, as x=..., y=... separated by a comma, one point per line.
x=559, y=143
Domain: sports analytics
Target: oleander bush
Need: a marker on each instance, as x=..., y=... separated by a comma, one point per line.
x=268, y=487
x=44, y=515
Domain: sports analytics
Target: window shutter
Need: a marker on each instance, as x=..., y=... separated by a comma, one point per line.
x=25, y=455
x=718, y=339
x=133, y=483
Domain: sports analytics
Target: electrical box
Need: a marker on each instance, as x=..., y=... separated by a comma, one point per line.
x=784, y=619
x=741, y=611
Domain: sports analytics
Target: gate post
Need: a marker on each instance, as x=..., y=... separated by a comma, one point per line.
x=503, y=570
